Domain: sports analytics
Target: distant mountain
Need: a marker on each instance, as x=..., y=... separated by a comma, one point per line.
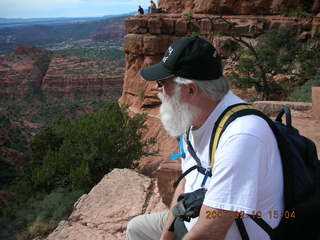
x=49, y=32
x=15, y=22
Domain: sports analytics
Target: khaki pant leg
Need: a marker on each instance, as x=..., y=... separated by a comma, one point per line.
x=146, y=227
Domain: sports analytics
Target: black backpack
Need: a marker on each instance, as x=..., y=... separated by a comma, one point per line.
x=301, y=172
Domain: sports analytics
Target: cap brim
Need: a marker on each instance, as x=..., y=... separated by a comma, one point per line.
x=155, y=72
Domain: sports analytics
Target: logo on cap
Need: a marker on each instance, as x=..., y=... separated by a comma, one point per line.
x=170, y=50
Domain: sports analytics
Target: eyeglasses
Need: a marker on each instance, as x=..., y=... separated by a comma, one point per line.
x=160, y=83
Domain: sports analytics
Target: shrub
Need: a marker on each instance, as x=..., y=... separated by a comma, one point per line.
x=303, y=93
x=79, y=153
x=277, y=52
x=40, y=217
x=8, y=173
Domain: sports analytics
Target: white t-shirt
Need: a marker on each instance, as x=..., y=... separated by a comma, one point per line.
x=247, y=175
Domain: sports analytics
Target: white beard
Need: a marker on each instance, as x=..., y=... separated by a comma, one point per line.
x=176, y=117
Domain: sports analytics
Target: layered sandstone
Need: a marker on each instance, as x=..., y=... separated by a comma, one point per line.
x=70, y=76
x=239, y=7
x=32, y=72
x=21, y=72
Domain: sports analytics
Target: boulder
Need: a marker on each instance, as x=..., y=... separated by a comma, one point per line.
x=104, y=212
x=316, y=102
x=167, y=175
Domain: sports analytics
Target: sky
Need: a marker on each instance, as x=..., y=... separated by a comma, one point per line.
x=67, y=8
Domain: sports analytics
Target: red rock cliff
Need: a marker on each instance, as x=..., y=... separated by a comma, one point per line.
x=31, y=71
x=238, y=7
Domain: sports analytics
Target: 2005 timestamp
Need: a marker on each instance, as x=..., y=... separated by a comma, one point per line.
x=271, y=214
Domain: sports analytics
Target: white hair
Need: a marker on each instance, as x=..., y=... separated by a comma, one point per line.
x=215, y=89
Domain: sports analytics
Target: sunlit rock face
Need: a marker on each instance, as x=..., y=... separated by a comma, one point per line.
x=104, y=212
x=236, y=7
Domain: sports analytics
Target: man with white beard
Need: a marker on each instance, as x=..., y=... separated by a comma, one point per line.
x=194, y=94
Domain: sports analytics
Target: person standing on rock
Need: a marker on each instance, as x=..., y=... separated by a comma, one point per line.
x=140, y=10
x=247, y=174
x=152, y=6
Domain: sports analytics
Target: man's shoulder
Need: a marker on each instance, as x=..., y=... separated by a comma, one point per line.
x=250, y=125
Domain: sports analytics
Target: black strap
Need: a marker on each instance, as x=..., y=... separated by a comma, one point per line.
x=285, y=110
x=259, y=221
x=199, y=167
x=183, y=175
x=195, y=157
x=242, y=229
x=288, y=192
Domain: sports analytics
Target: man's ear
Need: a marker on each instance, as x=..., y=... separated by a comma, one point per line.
x=193, y=89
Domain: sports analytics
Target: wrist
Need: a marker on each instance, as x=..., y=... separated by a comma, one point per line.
x=167, y=235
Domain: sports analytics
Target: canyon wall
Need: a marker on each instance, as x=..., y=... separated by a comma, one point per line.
x=33, y=72
x=70, y=77
x=238, y=7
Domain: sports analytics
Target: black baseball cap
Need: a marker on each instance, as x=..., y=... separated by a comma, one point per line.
x=192, y=57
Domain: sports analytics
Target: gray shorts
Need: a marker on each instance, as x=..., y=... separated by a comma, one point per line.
x=146, y=227
x=150, y=227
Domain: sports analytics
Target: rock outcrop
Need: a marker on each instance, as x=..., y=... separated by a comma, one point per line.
x=111, y=32
x=33, y=72
x=104, y=212
x=260, y=7
x=69, y=77
x=21, y=72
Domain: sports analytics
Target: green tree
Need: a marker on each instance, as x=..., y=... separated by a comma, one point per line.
x=79, y=153
x=277, y=52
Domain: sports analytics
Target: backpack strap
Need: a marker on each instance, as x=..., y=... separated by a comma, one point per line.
x=202, y=170
x=242, y=229
x=219, y=127
x=229, y=115
x=221, y=124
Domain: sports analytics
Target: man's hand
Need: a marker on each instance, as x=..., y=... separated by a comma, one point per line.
x=166, y=234
x=212, y=224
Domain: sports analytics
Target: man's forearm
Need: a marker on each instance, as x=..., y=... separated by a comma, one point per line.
x=211, y=228
x=166, y=235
